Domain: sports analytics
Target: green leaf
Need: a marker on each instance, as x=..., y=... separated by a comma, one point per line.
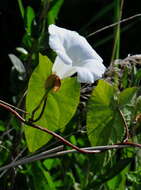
x=2, y=126
x=138, y=105
x=29, y=16
x=37, y=177
x=125, y=97
x=49, y=180
x=53, y=12
x=104, y=122
x=114, y=171
x=50, y=163
x=134, y=176
x=137, y=79
x=21, y=7
x=119, y=181
x=60, y=107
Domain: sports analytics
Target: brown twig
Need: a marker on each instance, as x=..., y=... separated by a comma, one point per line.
x=81, y=150
x=29, y=123
x=15, y=159
x=18, y=109
x=132, y=144
x=52, y=153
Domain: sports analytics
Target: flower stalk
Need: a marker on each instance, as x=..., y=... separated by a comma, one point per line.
x=53, y=83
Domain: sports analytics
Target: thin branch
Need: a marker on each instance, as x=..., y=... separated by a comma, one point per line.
x=6, y=132
x=15, y=159
x=81, y=150
x=32, y=158
x=132, y=144
x=18, y=109
x=114, y=24
x=52, y=154
x=29, y=123
x=9, y=129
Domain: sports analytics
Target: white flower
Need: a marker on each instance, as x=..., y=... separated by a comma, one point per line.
x=74, y=54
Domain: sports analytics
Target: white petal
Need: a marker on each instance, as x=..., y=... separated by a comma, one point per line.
x=74, y=54
x=56, y=43
x=90, y=71
x=84, y=75
x=95, y=66
x=70, y=46
x=61, y=69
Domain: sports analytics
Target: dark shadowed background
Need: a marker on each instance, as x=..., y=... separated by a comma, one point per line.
x=80, y=15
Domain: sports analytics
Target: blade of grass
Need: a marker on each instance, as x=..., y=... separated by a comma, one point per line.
x=118, y=14
x=21, y=7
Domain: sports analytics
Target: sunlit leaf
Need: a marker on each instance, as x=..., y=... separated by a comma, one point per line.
x=60, y=106
x=54, y=11
x=126, y=96
x=104, y=122
x=134, y=177
x=29, y=16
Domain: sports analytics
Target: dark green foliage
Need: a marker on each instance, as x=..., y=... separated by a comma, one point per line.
x=90, y=115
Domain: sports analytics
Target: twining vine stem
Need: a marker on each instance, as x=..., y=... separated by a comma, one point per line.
x=63, y=140
x=56, y=151
x=30, y=123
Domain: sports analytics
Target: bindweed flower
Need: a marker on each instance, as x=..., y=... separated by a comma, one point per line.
x=74, y=55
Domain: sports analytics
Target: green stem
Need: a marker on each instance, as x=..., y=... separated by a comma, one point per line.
x=118, y=15
x=42, y=101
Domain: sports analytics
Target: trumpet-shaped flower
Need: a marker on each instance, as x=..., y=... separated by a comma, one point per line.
x=74, y=55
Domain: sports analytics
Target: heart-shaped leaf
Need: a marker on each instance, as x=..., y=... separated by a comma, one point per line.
x=104, y=121
x=60, y=107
